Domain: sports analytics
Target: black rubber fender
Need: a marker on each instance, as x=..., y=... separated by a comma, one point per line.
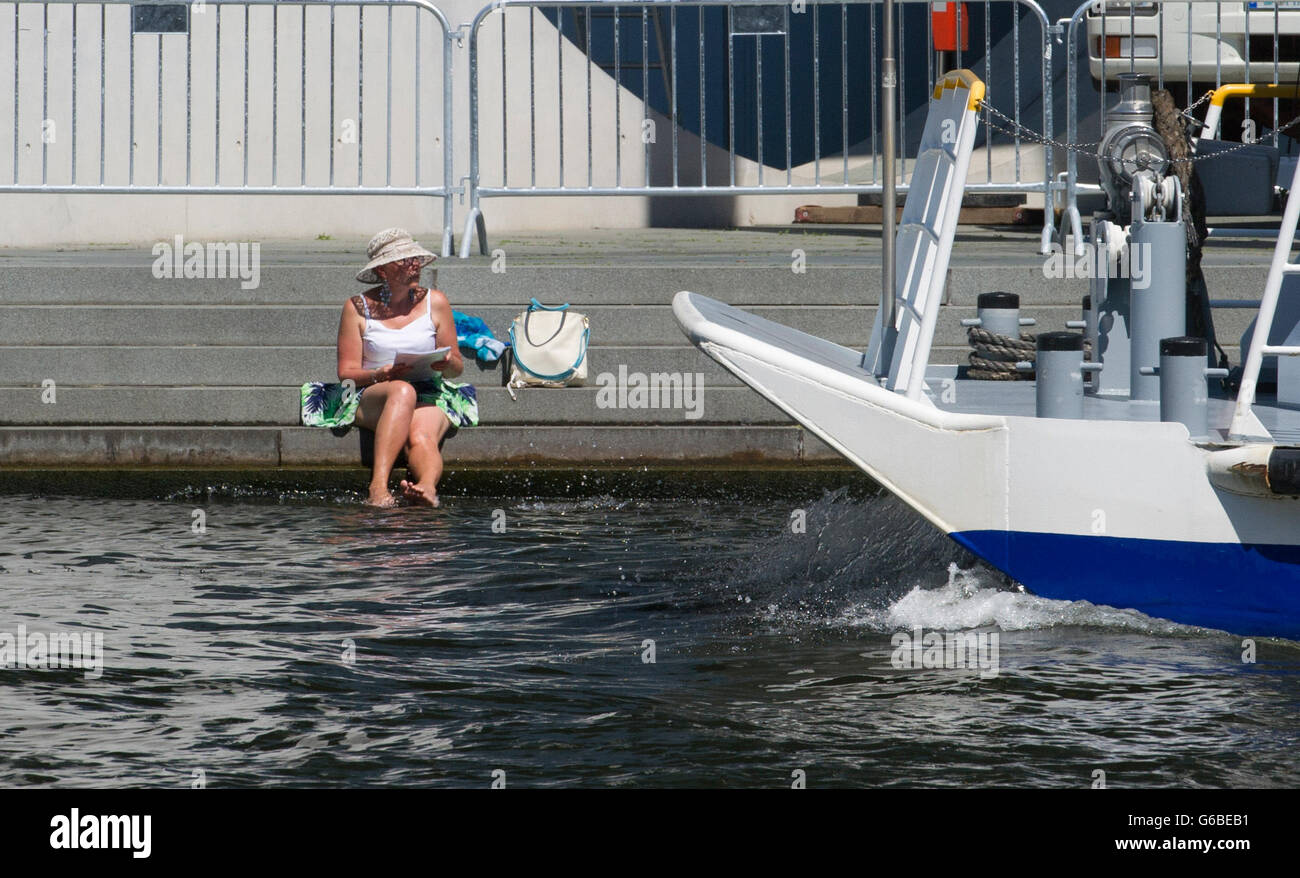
x=1284, y=470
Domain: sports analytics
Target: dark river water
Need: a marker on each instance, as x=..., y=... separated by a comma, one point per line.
x=600, y=641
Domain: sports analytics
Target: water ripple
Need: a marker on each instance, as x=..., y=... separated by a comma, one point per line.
x=304, y=640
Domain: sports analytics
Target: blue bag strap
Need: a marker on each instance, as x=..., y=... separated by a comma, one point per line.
x=586, y=334
x=534, y=305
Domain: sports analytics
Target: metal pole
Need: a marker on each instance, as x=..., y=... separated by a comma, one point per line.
x=888, y=109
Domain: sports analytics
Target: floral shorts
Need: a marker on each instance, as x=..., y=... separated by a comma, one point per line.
x=331, y=405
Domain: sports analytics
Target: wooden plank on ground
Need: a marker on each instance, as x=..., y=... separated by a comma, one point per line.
x=1018, y=215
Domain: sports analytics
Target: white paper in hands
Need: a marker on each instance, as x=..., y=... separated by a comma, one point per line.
x=421, y=364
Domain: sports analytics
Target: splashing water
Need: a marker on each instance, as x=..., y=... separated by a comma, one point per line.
x=857, y=567
x=599, y=641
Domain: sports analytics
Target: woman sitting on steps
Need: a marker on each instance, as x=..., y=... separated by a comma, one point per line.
x=399, y=316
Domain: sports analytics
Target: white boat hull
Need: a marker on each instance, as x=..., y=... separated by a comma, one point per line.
x=1116, y=512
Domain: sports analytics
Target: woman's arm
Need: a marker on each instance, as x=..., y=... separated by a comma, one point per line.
x=453, y=366
x=351, y=325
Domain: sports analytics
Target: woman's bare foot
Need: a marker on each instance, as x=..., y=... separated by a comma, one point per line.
x=415, y=493
x=381, y=497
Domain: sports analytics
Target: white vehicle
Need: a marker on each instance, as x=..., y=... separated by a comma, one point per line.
x=1204, y=42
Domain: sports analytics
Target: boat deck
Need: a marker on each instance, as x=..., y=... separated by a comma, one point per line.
x=1017, y=398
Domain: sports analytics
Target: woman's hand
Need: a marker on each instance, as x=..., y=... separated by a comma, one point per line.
x=391, y=372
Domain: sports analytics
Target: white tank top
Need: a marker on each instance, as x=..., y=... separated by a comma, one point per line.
x=380, y=343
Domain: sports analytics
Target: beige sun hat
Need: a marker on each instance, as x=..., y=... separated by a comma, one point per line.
x=391, y=245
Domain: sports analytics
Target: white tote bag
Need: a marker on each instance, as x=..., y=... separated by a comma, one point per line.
x=549, y=347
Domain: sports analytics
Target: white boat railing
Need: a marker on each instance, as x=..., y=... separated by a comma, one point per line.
x=1279, y=268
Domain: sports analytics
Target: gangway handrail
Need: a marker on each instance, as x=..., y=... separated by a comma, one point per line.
x=900, y=344
x=1280, y=266
x=1241, y=90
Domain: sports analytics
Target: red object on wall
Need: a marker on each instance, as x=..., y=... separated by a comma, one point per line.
x=943, y=22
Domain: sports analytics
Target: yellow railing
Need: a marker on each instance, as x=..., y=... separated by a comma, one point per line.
x=962, y=79
x=1242, y=90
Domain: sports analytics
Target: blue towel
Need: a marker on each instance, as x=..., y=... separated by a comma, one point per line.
x=472, y=334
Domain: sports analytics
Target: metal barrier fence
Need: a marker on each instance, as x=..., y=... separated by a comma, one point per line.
x=1190, y=46
x=317, y=97
x=268, y=97
x=686, y=138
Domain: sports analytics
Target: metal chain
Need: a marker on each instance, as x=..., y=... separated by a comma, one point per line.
x=1029, y=133
x=1202, y=99
x=1186, y=112
x=1089, y=148
x=1238, y=147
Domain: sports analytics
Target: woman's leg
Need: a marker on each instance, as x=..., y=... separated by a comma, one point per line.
x=429, y=425
x=386, y=408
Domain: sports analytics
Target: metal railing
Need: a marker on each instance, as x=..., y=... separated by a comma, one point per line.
x=255, y=97
x=1190, y=46
x=1214, y=114
x=318, y=97
x=684, y=137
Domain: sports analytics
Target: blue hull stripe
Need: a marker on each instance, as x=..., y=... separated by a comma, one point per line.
x=1249, y=590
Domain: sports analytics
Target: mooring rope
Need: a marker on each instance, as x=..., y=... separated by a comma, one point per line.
x=994, y=356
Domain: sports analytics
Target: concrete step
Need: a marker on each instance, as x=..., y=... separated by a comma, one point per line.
x=283, y=366
x=310, y=447
x=723, y=402
x=309, y=326
x=298, y=326
x=468, y=285
x=280, y=406
x=304, y=446
x=137, y=357
x=744, y=267
x=151, y=405
x=220, y=366
x=472, y=287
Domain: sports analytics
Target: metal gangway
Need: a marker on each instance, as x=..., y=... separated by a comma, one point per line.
x=1244, y=424
x=904, y=329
